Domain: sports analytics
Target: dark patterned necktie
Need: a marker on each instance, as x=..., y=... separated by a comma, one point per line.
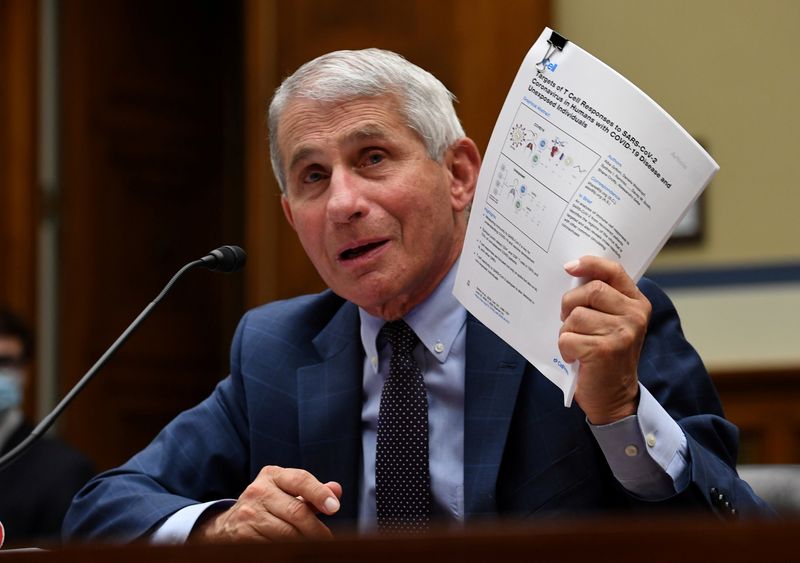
x=402, y=476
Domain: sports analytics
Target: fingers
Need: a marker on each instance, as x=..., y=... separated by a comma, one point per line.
x=605, y=270
x=281, y=503
x=609, y=289
x=603, y=317
x=613, y=345
x=605, y=321
x=335, y=488
x=300, y=483
x=597, y=296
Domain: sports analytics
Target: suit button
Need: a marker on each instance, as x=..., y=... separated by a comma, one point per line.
x=733, y=514
x=718, y=498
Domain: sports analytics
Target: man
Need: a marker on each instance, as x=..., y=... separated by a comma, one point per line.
x=38, y=487
x=377, y=178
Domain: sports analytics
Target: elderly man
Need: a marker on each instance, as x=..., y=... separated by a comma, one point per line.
x=335, y=412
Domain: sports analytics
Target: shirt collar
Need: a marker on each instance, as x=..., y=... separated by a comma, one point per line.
x=436, y=321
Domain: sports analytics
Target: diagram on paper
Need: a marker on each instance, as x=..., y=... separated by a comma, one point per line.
x=537, y=174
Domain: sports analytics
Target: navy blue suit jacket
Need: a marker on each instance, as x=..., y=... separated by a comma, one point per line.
x=294, y=398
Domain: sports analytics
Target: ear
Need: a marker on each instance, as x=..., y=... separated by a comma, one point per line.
x=287, y=211
x=463, y=160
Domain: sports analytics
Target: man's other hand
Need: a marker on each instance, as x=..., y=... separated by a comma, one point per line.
x=280, y=504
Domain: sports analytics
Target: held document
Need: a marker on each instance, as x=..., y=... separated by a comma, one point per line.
x=580, y=162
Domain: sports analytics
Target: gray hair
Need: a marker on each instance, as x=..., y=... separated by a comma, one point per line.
x=426, y=104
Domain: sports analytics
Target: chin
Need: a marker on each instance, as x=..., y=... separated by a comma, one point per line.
x=369, y=300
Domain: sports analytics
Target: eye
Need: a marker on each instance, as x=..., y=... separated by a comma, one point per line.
x=313, y=176
x=373, y=157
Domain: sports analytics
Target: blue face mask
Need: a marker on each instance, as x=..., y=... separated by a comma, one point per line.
x=10, y=388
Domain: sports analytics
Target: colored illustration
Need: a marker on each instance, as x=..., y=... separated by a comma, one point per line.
x=540, y=168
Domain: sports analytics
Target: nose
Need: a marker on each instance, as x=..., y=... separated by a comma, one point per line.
x=346, y=201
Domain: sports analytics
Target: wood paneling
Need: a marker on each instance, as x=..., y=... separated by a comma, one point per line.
x=264, y=225
x=150, y=138
x=765, y=405
x=19, y=199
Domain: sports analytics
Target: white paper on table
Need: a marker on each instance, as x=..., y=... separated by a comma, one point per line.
x=580, y=162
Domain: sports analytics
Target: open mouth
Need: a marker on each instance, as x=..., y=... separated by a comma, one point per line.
x=357, y=251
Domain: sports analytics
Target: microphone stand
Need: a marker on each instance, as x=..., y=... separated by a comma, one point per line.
x=215, y=260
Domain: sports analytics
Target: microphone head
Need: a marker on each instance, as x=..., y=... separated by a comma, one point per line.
x=226, y=258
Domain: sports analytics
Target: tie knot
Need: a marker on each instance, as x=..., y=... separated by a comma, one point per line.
x=400, y=336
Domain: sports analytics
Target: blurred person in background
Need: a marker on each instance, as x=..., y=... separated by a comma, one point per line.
x=36, y=489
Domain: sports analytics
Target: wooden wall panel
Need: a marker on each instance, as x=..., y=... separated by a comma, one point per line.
x=764, y=405
x=263, y=219
x=150, y=143
x=19, y=199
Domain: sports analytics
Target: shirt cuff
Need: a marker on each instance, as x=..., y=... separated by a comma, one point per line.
x=176, y=528
x=647, y=451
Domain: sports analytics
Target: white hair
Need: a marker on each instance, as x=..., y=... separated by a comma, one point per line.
x=426, y=105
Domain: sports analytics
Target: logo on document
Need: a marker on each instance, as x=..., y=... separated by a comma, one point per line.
x=561, y=365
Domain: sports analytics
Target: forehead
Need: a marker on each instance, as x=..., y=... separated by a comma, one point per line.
x=309, y=125
x=10, y=347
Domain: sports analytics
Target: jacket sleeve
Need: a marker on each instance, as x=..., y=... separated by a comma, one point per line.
x=675, y=375
x=125, y=503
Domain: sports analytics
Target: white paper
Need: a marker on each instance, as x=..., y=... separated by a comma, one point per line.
x=580, y=162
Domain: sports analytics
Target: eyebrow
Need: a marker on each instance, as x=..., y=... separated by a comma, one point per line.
x=367, y=132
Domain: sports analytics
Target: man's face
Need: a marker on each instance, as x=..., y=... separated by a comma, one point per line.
x=11, y=356
x=11, y=351
x=381, y=221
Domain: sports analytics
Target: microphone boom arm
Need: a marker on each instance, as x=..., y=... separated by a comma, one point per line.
x=47, y=421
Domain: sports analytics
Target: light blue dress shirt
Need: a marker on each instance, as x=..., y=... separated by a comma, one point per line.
x=647, y=452
x=440, y=324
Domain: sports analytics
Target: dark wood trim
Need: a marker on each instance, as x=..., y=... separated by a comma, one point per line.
x=19, y=193
x=262, y=211
x=764, y=405
x=687, y=539
x=744, y=379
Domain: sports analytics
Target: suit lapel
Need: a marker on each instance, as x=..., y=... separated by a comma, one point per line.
x=493, y=374
x=330, y=399
x=329, y=408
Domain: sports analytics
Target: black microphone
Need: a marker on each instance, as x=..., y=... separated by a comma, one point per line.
x=223, y=259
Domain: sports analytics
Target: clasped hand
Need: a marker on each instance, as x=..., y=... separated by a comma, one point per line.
x=279, y=504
